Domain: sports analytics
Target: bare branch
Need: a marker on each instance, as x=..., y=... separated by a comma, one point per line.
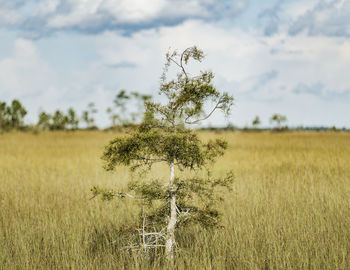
x=180, y=65
x=122, y=195
x=217, y=106
x=181, y=61
x=151, y=159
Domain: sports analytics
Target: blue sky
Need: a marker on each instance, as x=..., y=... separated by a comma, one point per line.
x=273, y=56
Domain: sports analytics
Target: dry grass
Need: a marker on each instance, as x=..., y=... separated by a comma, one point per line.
x=290, y=208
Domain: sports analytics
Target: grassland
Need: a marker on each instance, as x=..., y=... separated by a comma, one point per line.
x=290, y=207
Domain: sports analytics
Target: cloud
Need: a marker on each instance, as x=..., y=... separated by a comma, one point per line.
x=292, y=75
x=271, y=19
x=284, y=81
x=319, y=90
x=8, y=14
x=24, y=73
x=120, y=65
x=127, y=16
x=329, y=18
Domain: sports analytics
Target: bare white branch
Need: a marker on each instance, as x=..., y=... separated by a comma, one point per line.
x=217, y=106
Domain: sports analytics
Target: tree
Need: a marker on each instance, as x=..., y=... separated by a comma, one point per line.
x=59, y=121
x=140, y=104
x=72, y=119
x=16, y=113
x=256, y=122
x=121, y=112
x=4, y=121
x=44, y=121
x=165, y=136
x=278, y=119
x=112, y=116
x=12, y=116
x=120, y=101
x=88, y=117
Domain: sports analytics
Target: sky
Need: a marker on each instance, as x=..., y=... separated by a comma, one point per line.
x=275, y=56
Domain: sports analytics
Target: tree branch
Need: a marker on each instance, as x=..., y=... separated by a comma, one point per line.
x=122, y=195
x=180, y=65
x=217, y=106
x=181, y=59
x=152, y=159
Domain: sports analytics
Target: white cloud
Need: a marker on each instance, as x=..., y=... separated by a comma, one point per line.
x=328, y=17
x=128, y=15
x=9, y=17
x=293, y=75
x=269, y=71
x=46, y=7
x=8, y=14
x=24, y=72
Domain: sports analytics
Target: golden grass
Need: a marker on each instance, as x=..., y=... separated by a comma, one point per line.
x=290, y=208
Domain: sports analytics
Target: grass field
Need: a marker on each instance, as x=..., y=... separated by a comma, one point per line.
x=289, y=209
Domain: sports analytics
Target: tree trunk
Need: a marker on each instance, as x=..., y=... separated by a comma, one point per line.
x=170, y=237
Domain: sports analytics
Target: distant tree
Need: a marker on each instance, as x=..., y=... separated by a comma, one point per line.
x=333, y=128
x=128, y=108
x=278, y=119
x=16, y=113
x=4, y=119
x=231, y=127
x=140, y=104
x=59, y=121
x=44, y=121
x=256, y=122
x=88, y=115
x=112, y=116
x=72, y=119
x=85, y=118
x=165, y=136
x=120, y=102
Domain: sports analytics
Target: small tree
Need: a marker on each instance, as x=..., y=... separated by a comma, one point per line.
x=16, y=113
x=120, y=101
x=59, y=121
x=72, y=119
x=12, y=116
x=4, y=120
x=112, y=116
x=256, y=122
x=140, y=104
x=165, y=136
x=88, y=115
x=44, y=121
x=278, y=119
x=121, y=111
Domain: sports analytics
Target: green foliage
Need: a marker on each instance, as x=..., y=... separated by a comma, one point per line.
x=278, y=119
x=72, y=119
x=16, y=112
x=12, y=116
x=121, y=114
x=88, y=116
x=165, y=136
x=188, y=95
x=256, y=122
x=59, y=121
x=44, y=122
x=4, y=121
x=147, y=147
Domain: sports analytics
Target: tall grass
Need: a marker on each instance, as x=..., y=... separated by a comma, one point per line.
x=290, y=207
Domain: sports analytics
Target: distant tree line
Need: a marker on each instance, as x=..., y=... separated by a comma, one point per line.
x=127, y=110
x=276, y=120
